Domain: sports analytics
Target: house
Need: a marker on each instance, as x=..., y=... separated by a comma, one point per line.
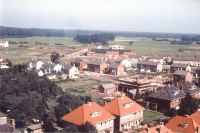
x=127, y=112
x=50, y=76
x=177, y=66
x=126, y=54
x=112, y=55
x=158, y=129
x=195, y=116
x=4, y=44
x=103, y=52
x=184, y=55
x=107, y=88
x=120, y=47
x=166, y=98
x=115, y=69
x=125, y=61
x=182, y=76
x=188, y=87
x=156, y=59
x=6, y=127
x=35, y=64
x=97, y=66
x=181, y=124
x=135, y=58
x=71, y=71
x=80, y=64
x=3, y=63
x=61, y=75
x=197, y=56
x=146, y=55
x=189, y=61
x=93, y=113
x=167, y=57
x=51, y=67
x=194, y=43
x=148, y=66
x=39, y=72
x=96, y=45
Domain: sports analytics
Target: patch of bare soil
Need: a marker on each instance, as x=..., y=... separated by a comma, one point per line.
x=33, y=54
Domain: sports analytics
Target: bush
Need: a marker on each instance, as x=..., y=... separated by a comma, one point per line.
x=142, y=123
x=171, y=113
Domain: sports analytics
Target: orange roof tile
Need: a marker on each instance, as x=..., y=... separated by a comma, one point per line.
x=116, y=107
x=2, y=41
x=157, y=128
x=196, y=117
x=112, y=52
x=123, y=58
x=175, y=124
x=82, y=114
x=129, y=53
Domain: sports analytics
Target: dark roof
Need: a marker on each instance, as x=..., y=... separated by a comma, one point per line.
x=6, y=128
x=105, y=50
x=164, y=54
x=76, y=60
x=135, y=56
x=187, y=87
x=183, y=55
x=155, y=57
x=168, y=93
x=49, y=64
x=95, y=62
x=114, y=65
x=179, y=65
x=185, y=59
x=67, y=67
x=148, y=63
x=180, y=72
x=3, y=61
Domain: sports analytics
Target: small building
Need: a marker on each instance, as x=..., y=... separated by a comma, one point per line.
x=148, y=66
x=184, y=55
x=112, y=55
x=93, y=113
x=50, y=67
x=166, y=98
x=135, y=58
x=107, y=88
x=34, y=63
x=3, y=63
x=71, y=71
x=182, y=76
x=96, y=45
x=115, y=69
x=125, y=61
x=7, y=127
x=194, y=43
x=119, y=47
x=177, y=66
x=62, y=75
x=167, y=57
x=127, y=112
x=97, y=66
x=156, y=59
x=4, y=44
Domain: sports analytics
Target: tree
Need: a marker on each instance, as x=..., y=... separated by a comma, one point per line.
x=131, y=42
x=9, y=63
x=55, y=57
x=48, y=126
x=70, y=129
x=137, y=95
x=88, y=127
x=36, y=43
x=188, y=105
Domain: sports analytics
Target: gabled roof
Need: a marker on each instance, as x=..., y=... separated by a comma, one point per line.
x=112, y=52
x=181, y=72
x=3, y=61
x=185, y=59
x=186, y=86
x=175, y=124
x=108, y=86
x=124, y=58
x=82, y=114
x=148, y=63
x=155, y=57
x=50, y=64
x=116, y=107
x=129, y=53
x=133, y=91
x=95, y=62
x=135, y=56
x=158, y=128
x=179, y=65
x=167, y=93
x=105, y=50
x=67, y=67
x=7, y=128
x=196, y=117
x=114, y=65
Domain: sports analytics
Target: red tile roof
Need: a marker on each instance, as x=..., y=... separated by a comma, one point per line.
x=2, y=41
x=129, y=53
x=175, y=124
x=196, y=117
x=112, y=52
x=158, y=128
x=123, y=58
x=82, y=114
x=116, y=107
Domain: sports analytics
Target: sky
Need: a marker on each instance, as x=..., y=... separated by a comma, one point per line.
x=167, y=16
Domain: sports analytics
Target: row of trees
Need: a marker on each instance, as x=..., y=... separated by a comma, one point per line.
x=190, y=38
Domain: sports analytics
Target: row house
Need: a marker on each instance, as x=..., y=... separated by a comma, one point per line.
x=71, y=71
x=197, y=56
x=188, y=87
x=107, y=88
x=93, y=113
x=146, y=55
x=135, y=58
x=103, y=52
x=112, y=55
x=97, y=66
x=50, y=67
x=115, y=69
x=166, y=57
x=126, y=54
x=125, y=61
x=3, y=63
x=182, y=76
x=177, y=66
x=80, y=64
x=189, y=61
x=96, y=45
x=119, y=47
x=158, y=59
x=4, y=44
x=184, y=55
x=166, y=98
x=158, y=129
x=34, y=63
x=148, y=66
x=127, y=112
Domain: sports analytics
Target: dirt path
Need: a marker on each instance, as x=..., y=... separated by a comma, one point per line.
x=69, y=56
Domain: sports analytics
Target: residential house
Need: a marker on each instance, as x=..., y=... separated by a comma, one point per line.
x=189, y=61
x=125, y=61
x=50, y=67
x=50, y=76
x=146, y=55
x=182, y=76
x=71, y=71
x=184, y=55
x=156, y=59
x=197, y=56
x=175, y=39
x=194, y=43
x=3, y=63
x=80, y=64
x=103, y=52
x=177, y=66
x=167, y=57
x=96, y=45
x=181, y=124
x=135, y=58
x=166, y=98
x=97, y=66
x=4, y=44
x=112, y=55
x=188, y=87
x=7, y=127
x=195, y=116
x=34, y=63
x=93, y=113
x=127, y=112
x=115, y=69
x=158, y=129
x=119, y=47
x=126, y=54
x=148, y=66
x=107, y=88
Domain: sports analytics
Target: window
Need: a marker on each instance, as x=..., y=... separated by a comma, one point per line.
x=126, y=105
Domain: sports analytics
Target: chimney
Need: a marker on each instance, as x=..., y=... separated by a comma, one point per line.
x=104, y=102
x=12, y=122
x=161, y=124
x=89, y=103
x=70, y=110
x=186, y=116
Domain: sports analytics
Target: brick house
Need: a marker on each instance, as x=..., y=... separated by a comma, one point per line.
x=146, y=55
x=93, y=113
x=112, y=55
x=96, y=45
x=158, y=129
x=188, y=87
x=176, y=66
x=115, y=69
x=80, y=64
x=181, y=124
x=127, y=112
x=167, y=57
x=97, y=66
x=156, y=59
x=3, y=63
x=197, y=56
x=189, y=61
x=184, y=55
x=182, y=76
x=166, y=98
x=107, y=88
x=149, y=66
x=7, y=127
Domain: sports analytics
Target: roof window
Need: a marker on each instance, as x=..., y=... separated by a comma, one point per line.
x=192, y=87
x=184, y=125
x=126, y=105
x=97, y=113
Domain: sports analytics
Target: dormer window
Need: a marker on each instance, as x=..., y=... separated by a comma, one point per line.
x=184, y=125
x=175, y=92
x=97, y=113
x=126, y=105
x=192, y=87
